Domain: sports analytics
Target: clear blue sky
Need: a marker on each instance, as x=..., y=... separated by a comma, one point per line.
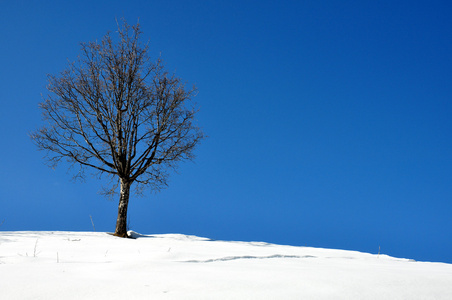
x=329, y=122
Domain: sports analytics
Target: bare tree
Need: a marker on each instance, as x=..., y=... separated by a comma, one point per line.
x=116, y=111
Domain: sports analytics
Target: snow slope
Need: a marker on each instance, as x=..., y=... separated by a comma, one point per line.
x=82, y=265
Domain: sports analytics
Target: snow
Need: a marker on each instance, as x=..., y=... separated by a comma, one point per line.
x=93, y=265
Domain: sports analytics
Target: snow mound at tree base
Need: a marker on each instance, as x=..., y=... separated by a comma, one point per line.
x=82, y=265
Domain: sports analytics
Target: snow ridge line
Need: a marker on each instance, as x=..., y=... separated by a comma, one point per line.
x=229, y=258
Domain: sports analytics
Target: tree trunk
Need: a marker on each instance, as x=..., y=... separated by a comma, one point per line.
x=121, y=222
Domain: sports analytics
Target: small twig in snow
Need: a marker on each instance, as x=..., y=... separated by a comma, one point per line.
x=94, y=228
x=36, y=246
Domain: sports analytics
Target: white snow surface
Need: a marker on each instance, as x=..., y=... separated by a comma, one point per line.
x=91, y=265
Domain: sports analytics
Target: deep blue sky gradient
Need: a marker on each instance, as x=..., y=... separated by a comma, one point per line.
x=329, y=122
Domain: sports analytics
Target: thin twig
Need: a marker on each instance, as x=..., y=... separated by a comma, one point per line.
x=36, y=246
x=94, y=228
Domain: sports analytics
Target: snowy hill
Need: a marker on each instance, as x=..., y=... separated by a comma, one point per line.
x=81, y=265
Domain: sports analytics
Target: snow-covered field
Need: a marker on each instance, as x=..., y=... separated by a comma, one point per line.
x=82, y=265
